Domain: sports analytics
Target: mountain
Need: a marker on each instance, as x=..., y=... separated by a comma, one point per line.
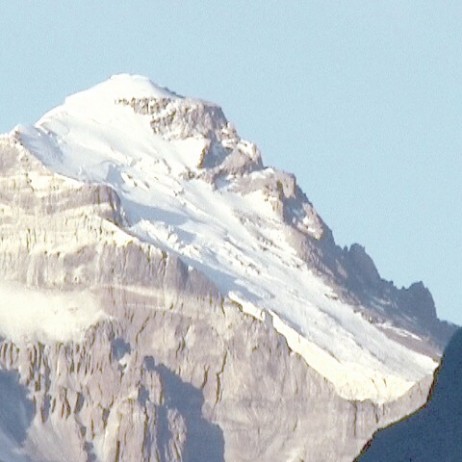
x=166, y=295
x=433, y=433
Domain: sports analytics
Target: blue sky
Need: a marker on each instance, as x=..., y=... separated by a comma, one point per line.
x=361, y=100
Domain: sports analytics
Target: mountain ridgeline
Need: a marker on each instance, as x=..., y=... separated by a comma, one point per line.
x=351, y=269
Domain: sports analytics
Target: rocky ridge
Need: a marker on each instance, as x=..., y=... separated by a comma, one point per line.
x=432, y=432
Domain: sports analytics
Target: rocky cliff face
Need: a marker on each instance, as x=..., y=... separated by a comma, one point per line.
x=118, y=343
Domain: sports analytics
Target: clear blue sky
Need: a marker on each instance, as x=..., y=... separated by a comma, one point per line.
x=361, y=99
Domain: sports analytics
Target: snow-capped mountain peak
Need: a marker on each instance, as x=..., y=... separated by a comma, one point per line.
x=163, y=294
x=121, y=86
x=191, y=186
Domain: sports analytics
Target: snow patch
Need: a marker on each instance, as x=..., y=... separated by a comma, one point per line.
x=29, y=314
x=122, y=86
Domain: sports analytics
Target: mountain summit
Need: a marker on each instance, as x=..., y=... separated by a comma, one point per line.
x=193, y=291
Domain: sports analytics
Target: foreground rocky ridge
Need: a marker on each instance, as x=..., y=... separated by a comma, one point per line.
x=171, y=371
x=433, y=432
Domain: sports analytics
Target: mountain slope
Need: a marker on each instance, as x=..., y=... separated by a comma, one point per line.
x=171, y=278
x=189, y=185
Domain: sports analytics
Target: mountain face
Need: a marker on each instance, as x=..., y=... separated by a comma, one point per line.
x=433, y=433
x=165, y=296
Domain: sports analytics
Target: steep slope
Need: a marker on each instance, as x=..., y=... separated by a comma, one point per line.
x=157, y=281
x=433, y=433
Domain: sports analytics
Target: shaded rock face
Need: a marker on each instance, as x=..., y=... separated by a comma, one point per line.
x=433, y=432
x=175, y=119
x=355, y=275
x=172, y=370
x=418, y=299
x=366, y=274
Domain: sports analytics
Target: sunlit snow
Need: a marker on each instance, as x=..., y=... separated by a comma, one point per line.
x=236, y=239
